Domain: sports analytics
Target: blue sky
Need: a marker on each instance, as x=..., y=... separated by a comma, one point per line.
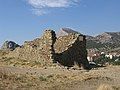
x=22, y=20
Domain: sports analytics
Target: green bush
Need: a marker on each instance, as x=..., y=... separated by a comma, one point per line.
x=42, y=78
x=117, y=62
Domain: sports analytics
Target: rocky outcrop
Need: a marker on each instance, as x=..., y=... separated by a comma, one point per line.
x=104, y=41
x=109, y=37
x=66, y=50
x=106, y=37
x=9, y=45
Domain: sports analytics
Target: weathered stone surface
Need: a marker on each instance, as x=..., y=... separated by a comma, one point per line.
x=67, y=50
x=71, y=50
x=40, y=49
x=9, y=45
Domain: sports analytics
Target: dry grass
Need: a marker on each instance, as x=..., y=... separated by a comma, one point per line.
x=51, y=82
x=54, y=78
x=19, y=62
x=3, y=53
x=19, y=82
x=105, y=87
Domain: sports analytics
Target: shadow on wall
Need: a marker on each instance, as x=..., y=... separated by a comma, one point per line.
x=77, y=54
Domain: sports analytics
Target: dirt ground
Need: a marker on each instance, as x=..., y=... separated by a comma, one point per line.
x=57, y=78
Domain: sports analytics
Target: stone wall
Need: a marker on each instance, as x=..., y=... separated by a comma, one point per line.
x=67, y=50
x=40, y=49
x=71, y=50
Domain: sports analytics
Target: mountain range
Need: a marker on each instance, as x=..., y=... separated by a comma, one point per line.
x=106, y=40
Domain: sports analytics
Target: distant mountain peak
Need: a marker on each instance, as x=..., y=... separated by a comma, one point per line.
x=66, y=31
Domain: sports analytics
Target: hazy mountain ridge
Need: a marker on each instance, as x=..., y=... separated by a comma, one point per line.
x=104, y=40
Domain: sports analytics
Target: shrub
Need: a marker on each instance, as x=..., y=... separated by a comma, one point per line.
x=42, y=78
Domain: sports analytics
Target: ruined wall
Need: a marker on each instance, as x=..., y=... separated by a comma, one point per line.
x=71, y=50
x=67, y=50
x=40, y=49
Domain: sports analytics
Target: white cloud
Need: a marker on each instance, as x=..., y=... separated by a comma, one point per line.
x=39, y=11
x=39, y=6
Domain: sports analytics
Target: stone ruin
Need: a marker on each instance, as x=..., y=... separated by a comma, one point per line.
x=66, y=50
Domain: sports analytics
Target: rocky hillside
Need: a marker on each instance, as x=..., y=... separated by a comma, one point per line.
x=108, y=40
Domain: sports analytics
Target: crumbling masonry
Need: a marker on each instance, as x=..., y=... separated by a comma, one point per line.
x=67, y=50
